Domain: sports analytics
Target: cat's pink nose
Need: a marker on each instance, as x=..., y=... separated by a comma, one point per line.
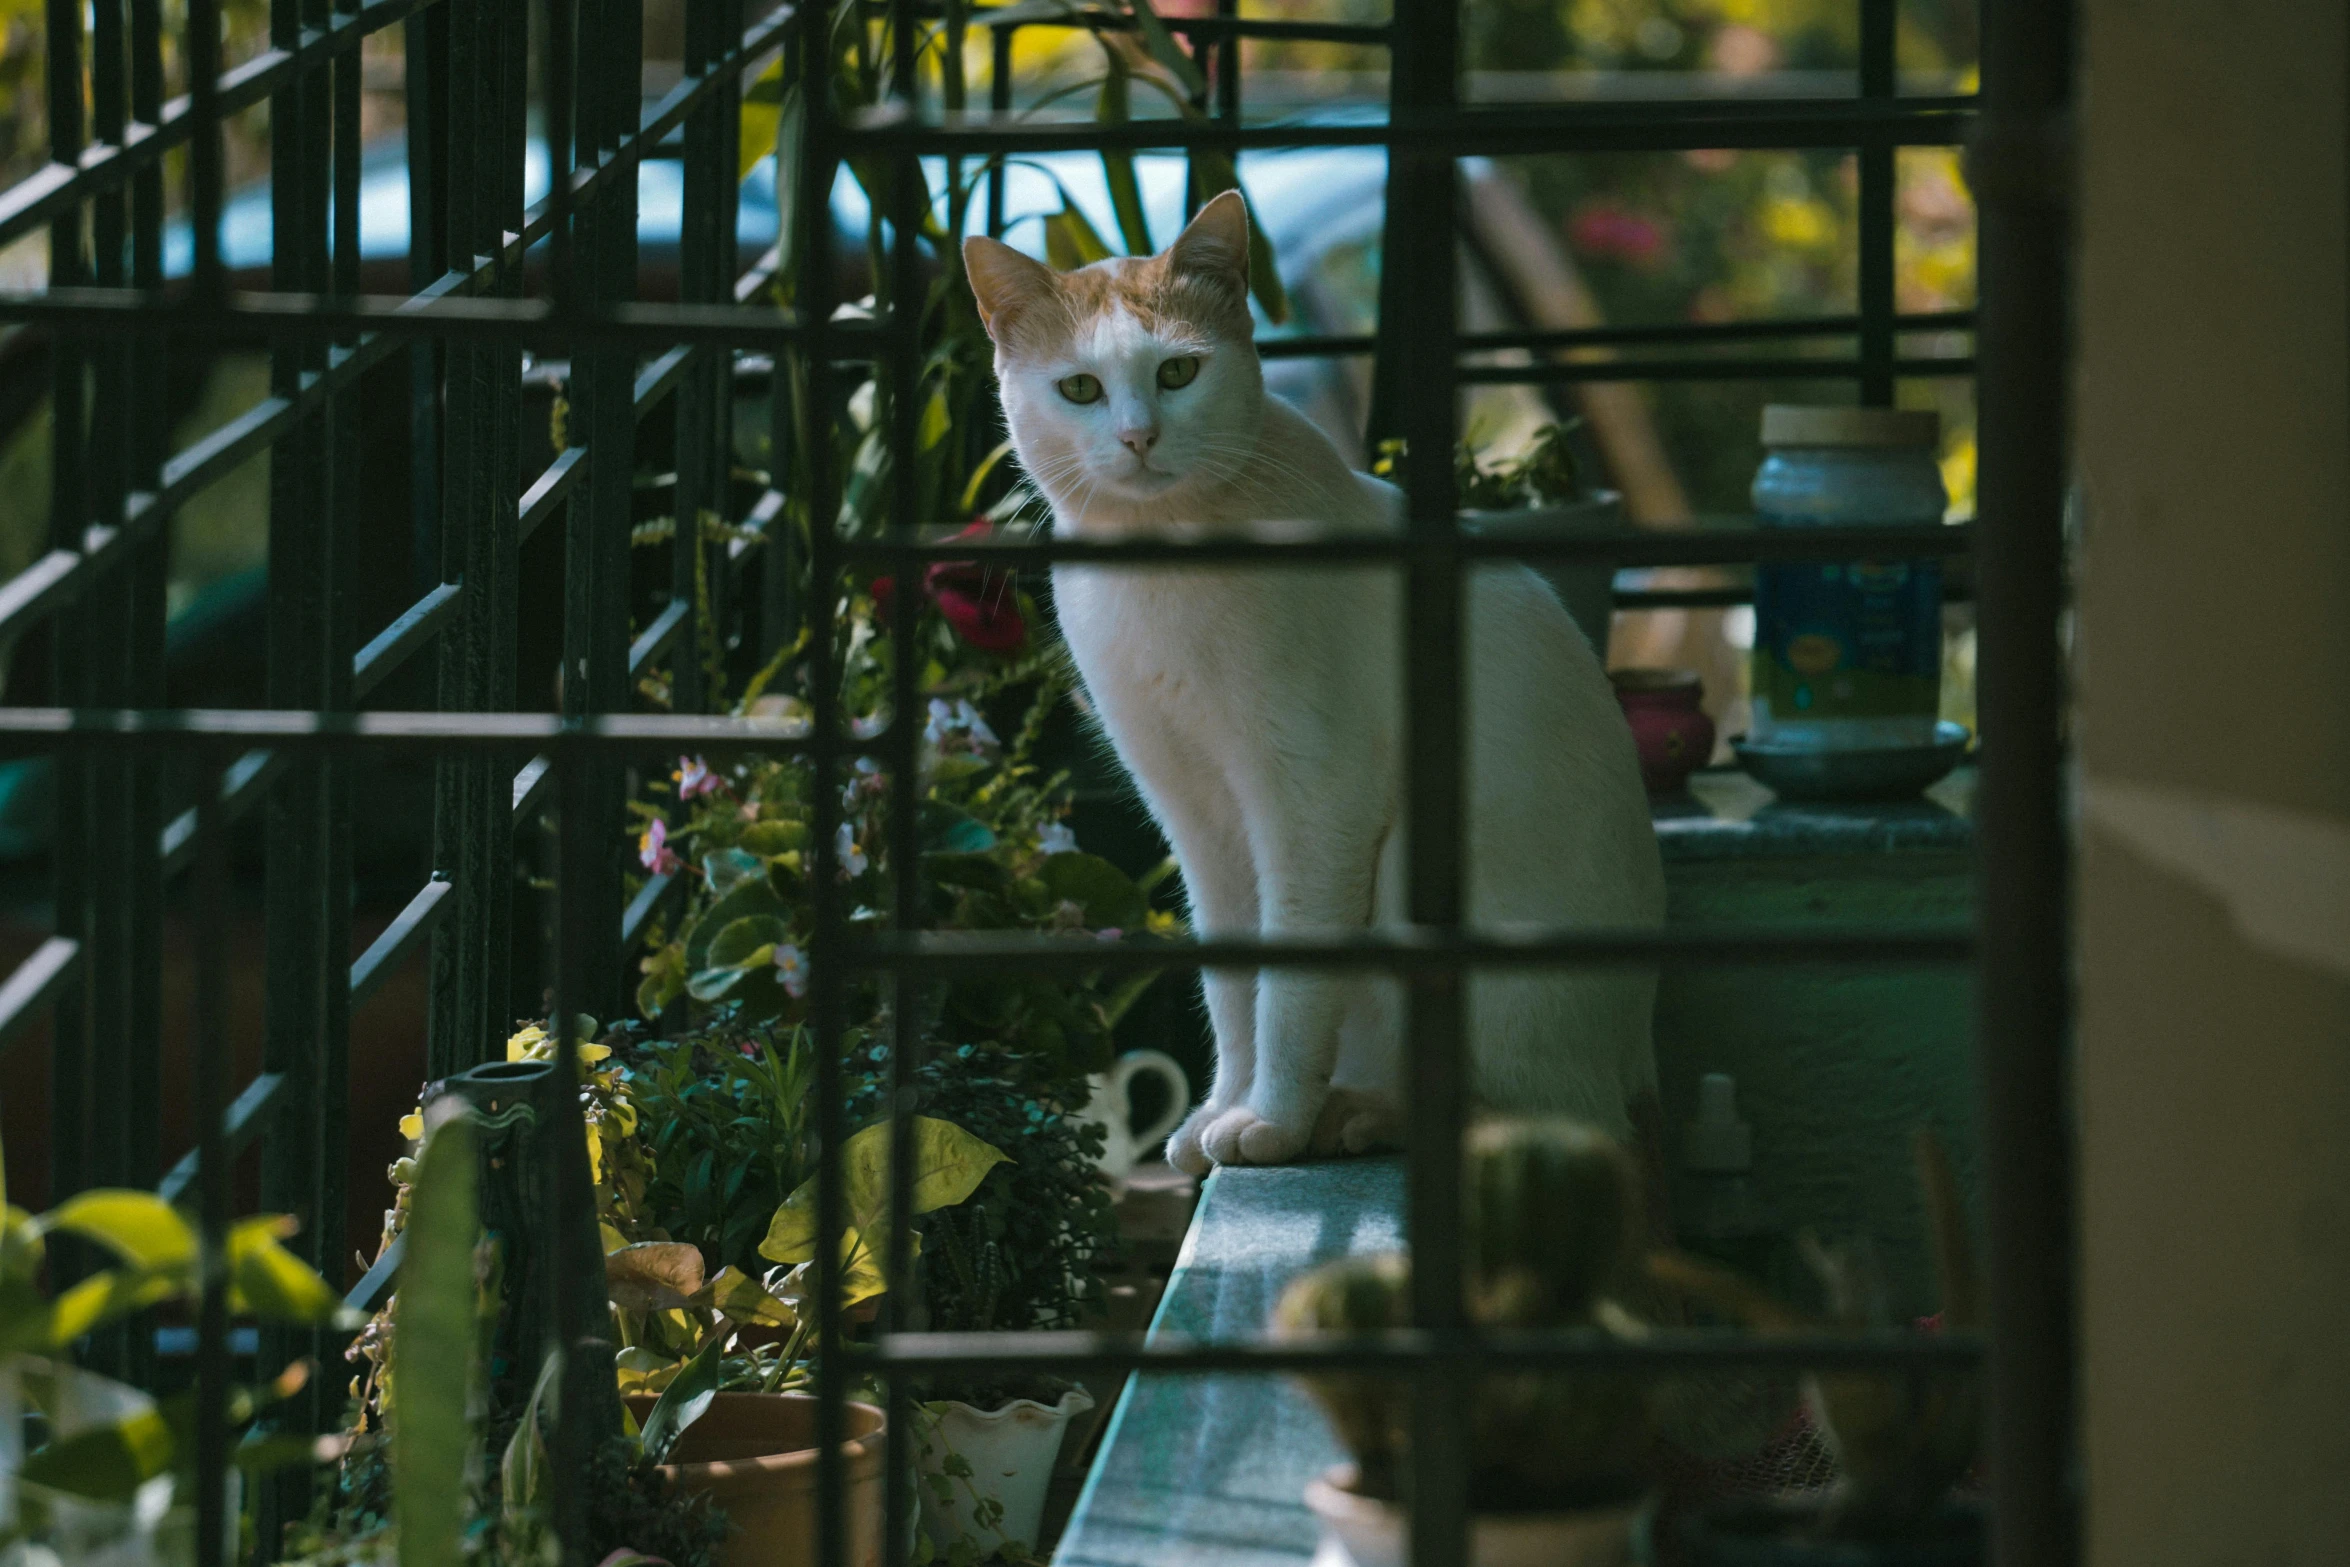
x=1140, y=440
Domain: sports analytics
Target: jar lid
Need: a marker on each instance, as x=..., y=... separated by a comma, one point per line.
x=1797, y=424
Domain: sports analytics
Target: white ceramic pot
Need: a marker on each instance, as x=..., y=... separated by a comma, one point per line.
x=1011, y=1452
x=1359, y=1532
x=1111, y=1106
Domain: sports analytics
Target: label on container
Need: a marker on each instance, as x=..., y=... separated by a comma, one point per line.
x=1848, y=654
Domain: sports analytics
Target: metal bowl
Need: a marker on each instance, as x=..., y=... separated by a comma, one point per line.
x=1879, y=773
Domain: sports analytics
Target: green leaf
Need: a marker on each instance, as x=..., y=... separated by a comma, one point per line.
x=266, y=1452
x=736, y=1294
x=139, y=1227
x=684, y=1400
x=762, y=116
x=267, y=1281
x=98, y=1300
x=522, y=1471
x=754, y=895
x=747, y=940
x=949, y=1164
x=433, y=1350
x=1107, y=894
x=108, y=1463
x=1070, y=241
x=948, y=829
x=1115, y=107
x=1171, y=56
x=768, y=839
x=791, y=129
x=978, y=870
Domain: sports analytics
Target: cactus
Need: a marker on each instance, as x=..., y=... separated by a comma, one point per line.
x=1550, y=1206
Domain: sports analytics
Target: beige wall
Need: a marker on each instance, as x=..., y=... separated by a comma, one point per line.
x=2214, y=657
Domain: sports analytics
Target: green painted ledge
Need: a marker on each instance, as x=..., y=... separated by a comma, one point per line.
x=1835, y=1068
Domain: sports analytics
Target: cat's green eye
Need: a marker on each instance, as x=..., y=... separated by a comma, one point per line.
x=1178, y=372
x=1083, y=388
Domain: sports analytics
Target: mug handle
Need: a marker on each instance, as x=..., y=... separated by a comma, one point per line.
x=1160, y=1064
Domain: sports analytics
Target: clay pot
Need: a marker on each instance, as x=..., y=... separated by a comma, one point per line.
x=1370, y=1533
x=1669, y=727
x=754, y=1454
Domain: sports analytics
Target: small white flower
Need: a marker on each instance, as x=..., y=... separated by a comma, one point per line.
x=1057, y=839
x=791, y=967
x=844, y=849
x=870, y=725
x=957, y=725
x=975, y=726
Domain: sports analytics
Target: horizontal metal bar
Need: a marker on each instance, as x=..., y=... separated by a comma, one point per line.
x=33, y=982
x=656, y=638
x=656, y=891
x=1373, y=34
x=1660, y=334
x=394, y=645
x=531, y=785
x=122, y=311
x=1785, y=368
x=1642, y=600
x=1624, y=547
x=548, y=491
x=36, y=590
x=376, y=1283
x=959, y=954
x=1407, y=1350
x=1643, y=126
x=41, y=197
x=238, y=1127
x=402, y=936
x=241, y=787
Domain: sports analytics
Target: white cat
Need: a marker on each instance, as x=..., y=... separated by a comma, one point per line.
x=1260, y=712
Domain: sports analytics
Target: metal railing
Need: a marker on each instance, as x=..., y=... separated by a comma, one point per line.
x=460, y=335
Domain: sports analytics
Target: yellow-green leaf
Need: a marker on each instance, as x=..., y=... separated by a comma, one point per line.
x=268, y=1281
x=139, y=1227
x=102, y=1298
x=937, y=419
x=762, y=116
x=107, y=1463
x=1070, y=241
x=949, y=1164
x=736, y=1294
x=433, y=1350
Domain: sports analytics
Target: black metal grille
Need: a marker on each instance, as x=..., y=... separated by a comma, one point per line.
x=477, y=299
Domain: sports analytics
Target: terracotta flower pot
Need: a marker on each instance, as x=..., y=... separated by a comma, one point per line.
x=1372, y=1533
x=1669, y=728
x=1789, y=1534
x=754, y=1454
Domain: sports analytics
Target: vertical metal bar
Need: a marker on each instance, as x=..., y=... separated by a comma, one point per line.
x=212, y=1067
x=106, y=639
x=206, y=175
x=150, y=437
x=1879, y=22
x=901, y=364
x=1417, y=350
x=73, y=1095
x=698, y=480
x=557, y=72
x=827, y=981
x=999, y=103
x=2023, y=1001
x=507, y=123
x=1228, y=66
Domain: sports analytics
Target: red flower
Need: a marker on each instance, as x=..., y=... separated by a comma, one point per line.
x=1601, y=228
x=982, y=605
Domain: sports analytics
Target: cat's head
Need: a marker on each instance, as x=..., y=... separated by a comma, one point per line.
x=1131, y=382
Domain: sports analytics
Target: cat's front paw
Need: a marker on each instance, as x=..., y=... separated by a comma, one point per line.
x=1241, y=1136
x=1186, y=1148
x=1356, y=1120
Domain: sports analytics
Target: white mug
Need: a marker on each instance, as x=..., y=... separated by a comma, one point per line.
x=1111, y=1106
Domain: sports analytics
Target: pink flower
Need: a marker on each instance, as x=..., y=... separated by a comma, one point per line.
x=653, y=851
x=982, y=606
x=695, y=778
x=1613, y=233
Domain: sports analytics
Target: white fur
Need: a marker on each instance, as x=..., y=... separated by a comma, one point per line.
x=1261, y=715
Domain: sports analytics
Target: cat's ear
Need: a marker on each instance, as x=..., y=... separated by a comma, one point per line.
x=1215, y=246
x=1003, y=281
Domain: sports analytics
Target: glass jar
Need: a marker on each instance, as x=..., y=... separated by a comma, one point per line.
x=1848, y=656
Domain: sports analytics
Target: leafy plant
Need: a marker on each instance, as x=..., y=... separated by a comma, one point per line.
x=111, y=1466
x=1550, y=1216
x=1541, y=473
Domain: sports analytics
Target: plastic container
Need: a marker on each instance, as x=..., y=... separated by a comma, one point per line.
x=1848, y=655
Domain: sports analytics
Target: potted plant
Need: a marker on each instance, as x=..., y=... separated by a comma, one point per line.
x=1561, y=1463
x=1903, y=1441
x=1537, y=491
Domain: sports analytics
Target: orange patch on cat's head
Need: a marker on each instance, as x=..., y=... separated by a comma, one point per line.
x=1198, y=284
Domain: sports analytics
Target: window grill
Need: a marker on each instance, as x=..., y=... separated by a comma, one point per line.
x=476, y=301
